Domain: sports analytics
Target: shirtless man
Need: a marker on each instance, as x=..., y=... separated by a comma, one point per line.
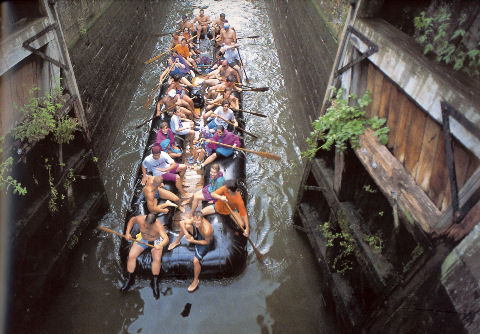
x=181, y=94
x=228, y=36
x=199, y=232
x=220, y=75
x=186, y=24
x=175, y=39
x=153, y=191
x=218, y=26
x=152, y=232
x=202, y=21
x=223, y=96
x=171, y=99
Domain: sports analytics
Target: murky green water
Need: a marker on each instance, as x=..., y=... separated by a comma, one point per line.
x=282, y=296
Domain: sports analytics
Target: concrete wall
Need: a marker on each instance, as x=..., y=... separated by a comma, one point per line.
x=105, y=57
x=307, y=61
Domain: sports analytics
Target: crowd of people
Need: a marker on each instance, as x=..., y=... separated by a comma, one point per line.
x=206, y=138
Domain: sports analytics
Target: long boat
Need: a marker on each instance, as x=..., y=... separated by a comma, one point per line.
x=228, y=254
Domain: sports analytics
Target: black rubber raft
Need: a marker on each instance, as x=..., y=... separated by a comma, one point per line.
x=227, y=256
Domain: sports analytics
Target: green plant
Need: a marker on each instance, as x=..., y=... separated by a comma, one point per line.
x=369, y=189
x=346, y=245
x=6, y=180
x=65, y=129
x=343, y=122
x=39, y=116
x=52, y=201
x=374, y=241
x=69, y=180
x=437, y=36
x=83, y=32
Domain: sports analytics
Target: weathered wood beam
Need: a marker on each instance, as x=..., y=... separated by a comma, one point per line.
x=391, y=177
x=338, y=172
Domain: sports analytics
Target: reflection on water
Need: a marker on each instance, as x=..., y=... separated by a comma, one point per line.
x=281, y=296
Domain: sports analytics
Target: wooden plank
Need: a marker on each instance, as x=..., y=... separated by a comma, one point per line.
x=415, y=131
x=430, y=140
x=439, y=189
x=377, y=93
x=370, y=84
x=402, y=128
x=390, y=176
x=462, y=162
x=393, y=115
x=385, y=100
x=338, y=172
x=472, y=184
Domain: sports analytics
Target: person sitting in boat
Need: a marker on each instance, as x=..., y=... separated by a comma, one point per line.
x=218, y=26
x=220, y=75
x=184, y=51
x=152, y=232
x=183, y=99
x=222, y=96
x=153, y=191
x=227, y=36
x=221, y=136
x=199, y=232
x=218, y=61
x=170, y=100
x=221, y=115
x=160, y=163
x=165, y=139
x=215, y=181
x=178, y=65
x=228, y=194
x=229, y=85
x=182, y=126
x=185, y=23
x=203, y=22
x=175, y=39
x=200, y=149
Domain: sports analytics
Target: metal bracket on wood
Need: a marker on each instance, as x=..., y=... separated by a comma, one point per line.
x=372, y=48
x=447, y=112
x=27, y=46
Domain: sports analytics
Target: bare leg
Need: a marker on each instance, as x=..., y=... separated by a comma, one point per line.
x=198, y=196
x=210, y=159
x=209, y=210
x=156, y=260
x=135, y=251
x=168, y=195
x=183, y=231
x=196, y=272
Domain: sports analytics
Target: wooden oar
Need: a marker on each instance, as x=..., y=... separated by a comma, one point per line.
x=253, y=89
x=165, y=33
x=260, y=153
x=148, y=120
x=151, y=60
x=248, y=112
x=162, y=77
x=255, y=36
x=258, y=89
x=257, y=252
x=243, y=67
x=106, y=229
x=239, y=128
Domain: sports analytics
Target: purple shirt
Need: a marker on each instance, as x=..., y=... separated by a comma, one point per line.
x=228, y=138
x=161, y=137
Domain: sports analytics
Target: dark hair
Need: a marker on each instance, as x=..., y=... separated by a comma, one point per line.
x=225, y=102
x=220, y=127
x=177, y=77
x=222, y=15
x=220, y=53
x=184, y=16
x=231, y=185
x=163, y=125
x=215, y=166
x=150, y=219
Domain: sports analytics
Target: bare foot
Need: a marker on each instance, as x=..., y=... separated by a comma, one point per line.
x=193, y=286
x=173, y=245
x=169, y=203
x=181, y=209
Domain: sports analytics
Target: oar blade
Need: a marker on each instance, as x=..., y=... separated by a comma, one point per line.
x=267, y=155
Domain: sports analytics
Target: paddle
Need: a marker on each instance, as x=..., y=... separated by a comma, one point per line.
x=165, y=33
x=151, y=60
x=106, y=229
x=162, y=77
x=255, y=36
x=243, y=67
x=239, y=128
x=260, y=153
x=257, y=252
x=255, y=89
x=148, y=120
x=259, y=89
x=248, y=112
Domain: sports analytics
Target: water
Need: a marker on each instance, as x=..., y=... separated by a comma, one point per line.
x=282, y=296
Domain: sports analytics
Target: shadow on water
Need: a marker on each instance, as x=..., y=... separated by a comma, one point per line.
x=283, y=295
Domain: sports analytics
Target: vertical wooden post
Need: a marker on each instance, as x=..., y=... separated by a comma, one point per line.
x=338, y=171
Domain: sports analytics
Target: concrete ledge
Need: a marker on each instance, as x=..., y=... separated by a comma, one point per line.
x=425, y=81
x=11, y=49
